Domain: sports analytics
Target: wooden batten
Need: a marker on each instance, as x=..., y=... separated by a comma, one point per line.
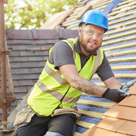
x=125, y=2
x=76, y=134
x=119, y=40
x=100, y=3
x=72, y=25
x=120, y=46
x=122, y=75
x=84, y=124
x=121, y=53
x=124, y=59
x=120, y=30
x=124, y=67
x=121, y=11
x=122, y=25
x=124, y=6
x=68, y=21
x=120, y=16
x=122, y=20
x=119, y=35
x=95, y=103
x=91, y=114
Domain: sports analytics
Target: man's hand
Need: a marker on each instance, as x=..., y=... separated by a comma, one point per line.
x=128, y=84
x=115, y=95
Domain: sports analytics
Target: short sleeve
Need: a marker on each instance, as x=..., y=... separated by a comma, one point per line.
x=104, y=71
x=61, y=54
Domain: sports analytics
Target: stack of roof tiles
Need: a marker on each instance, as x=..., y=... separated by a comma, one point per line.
x=120, y=120
x=29, y=52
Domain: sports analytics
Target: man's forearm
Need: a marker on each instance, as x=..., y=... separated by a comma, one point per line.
x=88, y=87
x=112, y=83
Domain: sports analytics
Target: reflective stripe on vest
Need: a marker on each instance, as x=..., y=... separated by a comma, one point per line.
x=53, y=90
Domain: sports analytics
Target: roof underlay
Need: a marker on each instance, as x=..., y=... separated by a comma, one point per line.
x=29, y=52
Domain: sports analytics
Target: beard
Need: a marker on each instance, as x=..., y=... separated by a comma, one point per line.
x=84, y=43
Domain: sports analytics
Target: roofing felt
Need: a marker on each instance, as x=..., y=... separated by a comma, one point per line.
x=30, y=51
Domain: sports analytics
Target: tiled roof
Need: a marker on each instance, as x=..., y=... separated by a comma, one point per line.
x=30, y=51
x=56, y=19
x=120, y=120
x=119, y=45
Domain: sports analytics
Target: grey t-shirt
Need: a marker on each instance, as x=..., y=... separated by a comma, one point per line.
x=62, y=54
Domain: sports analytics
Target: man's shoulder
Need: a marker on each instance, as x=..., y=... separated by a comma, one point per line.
x=61, y=43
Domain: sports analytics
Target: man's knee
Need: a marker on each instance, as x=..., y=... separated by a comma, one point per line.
x=53, y=134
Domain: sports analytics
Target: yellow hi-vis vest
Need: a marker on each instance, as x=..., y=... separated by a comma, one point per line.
x=52, y=89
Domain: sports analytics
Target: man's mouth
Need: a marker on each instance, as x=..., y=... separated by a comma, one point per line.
x=92, y=43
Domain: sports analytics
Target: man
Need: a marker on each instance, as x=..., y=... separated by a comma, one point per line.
x=66, y=75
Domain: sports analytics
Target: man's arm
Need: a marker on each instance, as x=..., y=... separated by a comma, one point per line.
x=112, y=83
x=70, y=72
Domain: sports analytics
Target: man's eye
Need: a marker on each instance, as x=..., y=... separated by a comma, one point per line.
x=90, y=32
x=101, y=35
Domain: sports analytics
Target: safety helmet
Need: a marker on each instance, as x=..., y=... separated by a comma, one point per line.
x=95, y=17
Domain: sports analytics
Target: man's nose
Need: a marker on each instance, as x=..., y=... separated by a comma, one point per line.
x=94, y=36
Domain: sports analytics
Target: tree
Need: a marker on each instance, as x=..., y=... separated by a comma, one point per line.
x=28, y=14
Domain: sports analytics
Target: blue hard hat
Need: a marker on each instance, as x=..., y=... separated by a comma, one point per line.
x=95, y=17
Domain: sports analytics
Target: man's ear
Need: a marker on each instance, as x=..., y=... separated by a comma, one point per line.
x=80, y=30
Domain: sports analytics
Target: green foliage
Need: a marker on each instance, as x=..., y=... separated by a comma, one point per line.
x=28, y=14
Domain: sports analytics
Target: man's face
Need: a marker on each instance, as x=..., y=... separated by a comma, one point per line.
x=90, y=37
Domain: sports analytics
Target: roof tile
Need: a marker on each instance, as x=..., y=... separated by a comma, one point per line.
x=132, y=131
x=126, y=127
x=47, y=34
x=34, y=34
x=111, y=124
x=115, y=124
x=93, y=131
x=81, y=13
x=132, y=89
x=130, y=114
x=105, y=122
x=130, y=101
x=64, y=33
x=117, y=111
x=115, y=134
x=19, y=34
x=53, y=21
